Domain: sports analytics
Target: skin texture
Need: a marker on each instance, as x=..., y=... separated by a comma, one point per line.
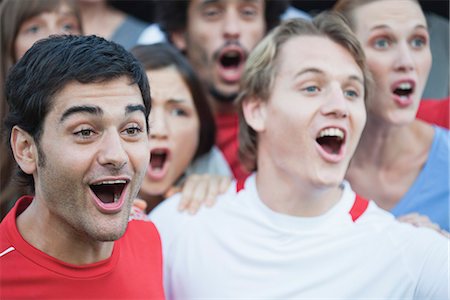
x=396, y=42
x=62, y=21
x=220, y=26
x=318, y=85
x=394, y=146
x=174, y=126
x=82, y=148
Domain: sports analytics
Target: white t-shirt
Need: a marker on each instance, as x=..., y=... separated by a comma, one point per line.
x=242, y=249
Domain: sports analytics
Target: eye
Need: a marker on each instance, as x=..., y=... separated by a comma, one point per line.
x=32, y=29
x=311, y=89
x=84, y=133
x=248, y=12
x=381, y=43
x=211, y=12
x=178, y=112
x=351, y=94
x=133, y=130
x=68, y=27
x=418, y=42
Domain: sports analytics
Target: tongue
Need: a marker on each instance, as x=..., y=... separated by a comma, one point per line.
x=157, y=161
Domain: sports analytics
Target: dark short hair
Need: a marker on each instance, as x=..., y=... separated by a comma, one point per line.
x=172, y=15
x=52, y=63
x=162, y=55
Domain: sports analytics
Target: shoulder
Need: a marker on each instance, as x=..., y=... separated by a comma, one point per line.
x=212, y=162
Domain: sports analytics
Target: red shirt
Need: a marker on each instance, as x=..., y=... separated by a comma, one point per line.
x=435, y=112
x=134, y=270
x=228, y=143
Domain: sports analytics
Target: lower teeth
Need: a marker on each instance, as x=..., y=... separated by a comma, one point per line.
x=116, y=197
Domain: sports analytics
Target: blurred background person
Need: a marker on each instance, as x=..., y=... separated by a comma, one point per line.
x=182, y=128
x=401, y=163
x=22, y=24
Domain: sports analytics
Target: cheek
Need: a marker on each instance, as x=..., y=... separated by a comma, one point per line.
x=186, y=138
x=140, y=156
x=255, y=35
x=21, y=46
x=425, y=65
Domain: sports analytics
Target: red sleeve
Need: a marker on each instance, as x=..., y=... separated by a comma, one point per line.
x=435, y=112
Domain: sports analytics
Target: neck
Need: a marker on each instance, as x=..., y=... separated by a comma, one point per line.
x=58, y=239
x=381, y=144
x=221, y=107
x=286, y=194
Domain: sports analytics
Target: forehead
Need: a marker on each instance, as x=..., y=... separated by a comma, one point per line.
x=389, y=12
x=167, y=83
x=111, y=96
x=317, y=52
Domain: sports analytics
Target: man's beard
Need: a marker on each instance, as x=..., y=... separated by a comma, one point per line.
x=221, y=97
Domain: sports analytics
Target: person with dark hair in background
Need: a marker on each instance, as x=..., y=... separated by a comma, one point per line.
x=295, y=229
x=216, y=37
x=78, y=123
x=21, y=24
x=183, y=131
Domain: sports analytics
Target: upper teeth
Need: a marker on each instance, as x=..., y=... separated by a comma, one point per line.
x=332, y=132
x=111, y=182
x=405, y=86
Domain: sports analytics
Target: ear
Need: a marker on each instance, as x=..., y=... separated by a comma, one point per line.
x=24, y=150
x=179, y=39
x=255, y=113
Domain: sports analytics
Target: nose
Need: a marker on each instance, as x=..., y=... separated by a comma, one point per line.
x=231, y=25
x=404, y=60
x=112, y=153
x=336, y=105
x=158, y=124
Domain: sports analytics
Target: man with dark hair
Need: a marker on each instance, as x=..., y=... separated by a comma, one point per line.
x=217, y=37
x=78, y=127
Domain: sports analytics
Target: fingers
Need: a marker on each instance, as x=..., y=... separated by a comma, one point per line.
x=138, y=210
x=419, y=221
x=139, y=203
x=187, y=192
x=201, y=190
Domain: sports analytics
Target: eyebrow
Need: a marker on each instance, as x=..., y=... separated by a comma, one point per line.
x=176, y=100
x=85, y=109
x=134, y=107
x=97, y=111
x=318, y=71
x=386, y=27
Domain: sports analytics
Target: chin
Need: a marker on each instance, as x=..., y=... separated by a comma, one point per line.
x=331, y=179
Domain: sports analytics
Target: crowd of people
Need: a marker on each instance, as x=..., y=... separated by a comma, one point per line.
x=301, y=145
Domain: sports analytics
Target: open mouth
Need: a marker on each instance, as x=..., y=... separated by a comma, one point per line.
x=158, y=158
x=331, y=140
x=403, y=89
x=231, y=59
x=231, y=62
x=109, y=191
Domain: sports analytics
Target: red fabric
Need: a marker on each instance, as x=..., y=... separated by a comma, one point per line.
x=134, y=270
x=435, y=112
x=358, y=208
x=240, y=184
x=227, y=141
